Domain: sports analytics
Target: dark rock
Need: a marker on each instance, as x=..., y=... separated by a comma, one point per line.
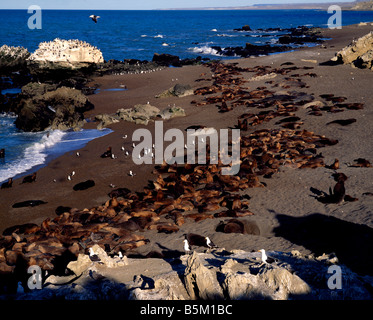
x=166, y=60
x=58, y=109
x=244, y=28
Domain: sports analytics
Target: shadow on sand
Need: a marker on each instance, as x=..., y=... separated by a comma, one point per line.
x=352, y=243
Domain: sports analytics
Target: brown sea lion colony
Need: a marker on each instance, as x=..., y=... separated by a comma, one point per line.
x=180, y=193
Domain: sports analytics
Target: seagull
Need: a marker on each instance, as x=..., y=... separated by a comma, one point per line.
x=126, y=153
x=94, y=17
x=122, y=148
x=209, y=243
x=69, y=178
x=120, y=254
x=73, y=173
x=265, y=258
x=124, y=137
x=93, y=256
x=131, y=173
x=78, y=154
x=186, y=246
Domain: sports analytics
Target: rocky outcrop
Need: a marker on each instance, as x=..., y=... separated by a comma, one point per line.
x=70, y=54
x=201, y=282
x=218, y=275
x=178, y=90
x=41, y=107
x=358, y=54
x=139, y=114
x=13, y=57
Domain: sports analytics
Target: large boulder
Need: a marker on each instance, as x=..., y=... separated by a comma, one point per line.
x=57, y=109
x=359, y=53
x=70, y=54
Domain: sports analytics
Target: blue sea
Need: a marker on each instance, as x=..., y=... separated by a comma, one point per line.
x=135, y=35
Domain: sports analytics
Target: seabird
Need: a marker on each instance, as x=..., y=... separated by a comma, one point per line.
x=93, y=256
x=209, y=243
x=78, y=154
x=265, y=258
x=94, y=17
x=186, y=246
x=124, y=137
x=122, y=148
x=131, y=173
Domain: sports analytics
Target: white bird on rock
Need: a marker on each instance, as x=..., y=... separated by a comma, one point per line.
x=265, y=258
x=186, y=246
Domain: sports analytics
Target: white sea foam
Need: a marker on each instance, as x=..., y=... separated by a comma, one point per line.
x=205, y=50
x=51, y=144
x=159, y=36
x=34, y=155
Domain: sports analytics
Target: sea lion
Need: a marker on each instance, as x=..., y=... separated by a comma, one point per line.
x=28, y=203
x=30, y=178
x=107, y=154
x=363, y=163
x=7, y=184
x=2, y=153
x=84, y=185
x=344, y=122
x=198, y=240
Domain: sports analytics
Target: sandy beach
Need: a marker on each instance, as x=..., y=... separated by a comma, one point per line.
x=285, y=209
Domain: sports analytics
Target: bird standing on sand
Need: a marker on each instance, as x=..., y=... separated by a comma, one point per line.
x=94, y=17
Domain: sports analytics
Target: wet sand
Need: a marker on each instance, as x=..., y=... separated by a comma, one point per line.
x=287, y=199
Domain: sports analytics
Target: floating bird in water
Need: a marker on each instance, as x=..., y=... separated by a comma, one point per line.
x=94, y=17
x=265, y=258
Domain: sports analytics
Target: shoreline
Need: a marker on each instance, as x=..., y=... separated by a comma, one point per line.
x=285, y=202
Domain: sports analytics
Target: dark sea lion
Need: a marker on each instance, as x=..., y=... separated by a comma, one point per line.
x=28, y=203
x=334, y=166
x=363, y=163
x=61, y=209
x=231, y=226
x=2, y=153
x=84, y=185
x=21, y=229
x=107, y=154
x=344, y=122
x=196, y=240
x=30, y=178
x=7, y=184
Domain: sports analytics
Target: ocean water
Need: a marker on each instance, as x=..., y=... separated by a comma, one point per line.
x=134, y=35
x=139, y=34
